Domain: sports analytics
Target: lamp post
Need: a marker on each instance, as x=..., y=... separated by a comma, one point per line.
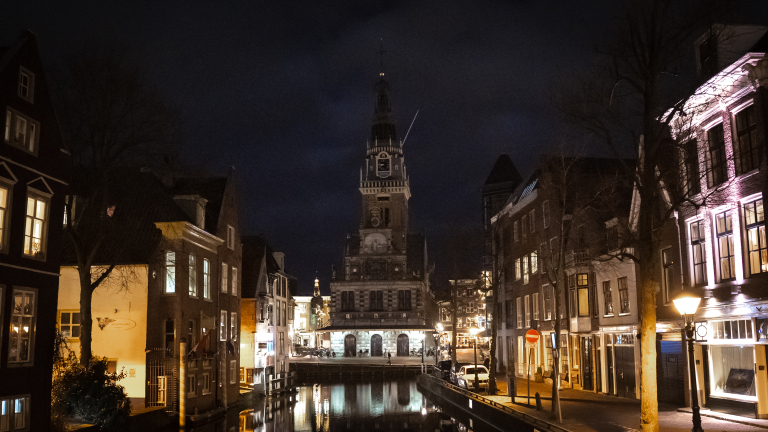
x=687, y=303
x=475, y=331
x=438, y=339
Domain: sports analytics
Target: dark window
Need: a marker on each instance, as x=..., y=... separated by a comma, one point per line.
x=725, y=245
x=347, y=300
x=170, y=334
x=377, y=300
x=623, y=295
x=692, y=180
x=669, y=281
x=755, y=224
x=404, y=299
x=608, y=298
x=747, y=150
x=697, y=250
x=717, y=165
x=708, y=56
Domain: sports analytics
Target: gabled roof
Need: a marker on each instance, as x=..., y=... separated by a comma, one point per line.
x=504, y=170
x=210, y=188
x=256, y=250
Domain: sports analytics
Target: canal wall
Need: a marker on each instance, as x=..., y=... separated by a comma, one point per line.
x=335, y=371
x=478, y=407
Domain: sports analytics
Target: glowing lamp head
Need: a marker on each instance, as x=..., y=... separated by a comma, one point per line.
x=686, y=303
x=474, y=331
x=439, y=327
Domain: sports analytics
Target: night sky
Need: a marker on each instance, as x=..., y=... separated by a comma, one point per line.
x=283, y=91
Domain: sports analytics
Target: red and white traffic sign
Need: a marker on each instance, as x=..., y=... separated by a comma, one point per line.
x=532, y=336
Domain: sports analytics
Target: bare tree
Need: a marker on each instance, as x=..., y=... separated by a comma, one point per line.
x=111, y=119
x=637, y=102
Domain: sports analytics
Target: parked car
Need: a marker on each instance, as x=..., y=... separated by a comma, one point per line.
x=454, y=372
x=443, y=370
x=465, y=377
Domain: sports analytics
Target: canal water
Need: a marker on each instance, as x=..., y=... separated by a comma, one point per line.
x=395, y=405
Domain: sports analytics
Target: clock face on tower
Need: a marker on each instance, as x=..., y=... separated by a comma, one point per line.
x=382, y=165
x=375, y=243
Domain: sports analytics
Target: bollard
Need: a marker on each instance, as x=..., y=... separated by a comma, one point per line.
x=538, y=401
x=511, y=389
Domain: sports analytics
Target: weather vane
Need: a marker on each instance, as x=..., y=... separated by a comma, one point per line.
x=381, y=56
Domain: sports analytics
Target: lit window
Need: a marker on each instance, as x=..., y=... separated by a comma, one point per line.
x=519, y=311
x=233, y=326
x=206, y=278
x=170, y=272
x=527, y=302
x=5, y=414
x=26, y=85
x=4, y=202
x=223, y=326
x=192, y=276
x=548, y=302
x=717, y=162
x=582, y=284
x=525, y=269
x=517, y=268
x=724, y=229
x=607, y=298
x=234, y=280
x=21, y=131
x=224, y=277
x=534, y=262
x=35, y=228
x=755, y=225
x=698, y=241
x=623, y=295
x=747, y=150
x=535, y=300
x=69, y=325
x=22, y=331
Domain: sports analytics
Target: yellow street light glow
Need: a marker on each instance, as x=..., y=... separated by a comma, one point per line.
x=686, y=303
x=439, y=327
x=474, y=331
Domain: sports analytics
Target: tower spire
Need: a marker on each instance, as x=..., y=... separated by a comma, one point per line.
x=381, y=53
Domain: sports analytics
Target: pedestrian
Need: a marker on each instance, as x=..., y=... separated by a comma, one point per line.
x=487, y=362
x=389, y=358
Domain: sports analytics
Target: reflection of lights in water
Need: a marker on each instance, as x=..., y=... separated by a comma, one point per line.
x=423, y=411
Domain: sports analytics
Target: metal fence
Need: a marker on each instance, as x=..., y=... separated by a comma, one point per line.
x=162, y=380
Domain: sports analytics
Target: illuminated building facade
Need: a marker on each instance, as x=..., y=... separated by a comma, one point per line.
x=378, y=296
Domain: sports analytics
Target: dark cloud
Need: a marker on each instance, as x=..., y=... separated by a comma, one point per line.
x=283, y=91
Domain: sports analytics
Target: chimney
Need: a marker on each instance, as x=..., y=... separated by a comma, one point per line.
x=194, y=207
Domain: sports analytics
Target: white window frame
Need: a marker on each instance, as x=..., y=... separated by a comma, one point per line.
x=231, y=237
x=233, y=326
x=527, y=311
x=519, y=311
x=535, y=306
x=206, y=383
x=30, y=140
x=233, y=375
x=223, y=326
x=6, y=191
x=191, y=386
x=525, y=270
x=192, y=275
x=224, y=277
x=534, y=261
x=34, y=199
x=30, y=86
x=69, y=326
x=10, y=419
x=169, y=286
x=517, y=269
x=17, y=322
x=234, y=289
x=206, y=279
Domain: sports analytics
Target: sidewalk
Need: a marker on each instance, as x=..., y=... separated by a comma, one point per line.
x=585, y=411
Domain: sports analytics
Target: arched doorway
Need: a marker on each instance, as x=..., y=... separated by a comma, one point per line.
x=376, y=346
x=402, y=345
x=350, y=346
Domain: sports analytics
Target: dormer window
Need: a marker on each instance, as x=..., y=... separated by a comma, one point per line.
x=21, y=131
x=26, y=85
x=708, y=56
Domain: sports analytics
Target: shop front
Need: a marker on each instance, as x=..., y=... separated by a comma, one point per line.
x=617, y=362
x=731, y=362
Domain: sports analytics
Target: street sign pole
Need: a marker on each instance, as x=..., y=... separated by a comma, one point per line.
x=531, y=337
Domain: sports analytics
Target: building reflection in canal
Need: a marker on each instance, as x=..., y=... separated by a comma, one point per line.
x=378, y=405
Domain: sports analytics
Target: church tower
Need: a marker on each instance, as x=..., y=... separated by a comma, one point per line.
x=378, y=296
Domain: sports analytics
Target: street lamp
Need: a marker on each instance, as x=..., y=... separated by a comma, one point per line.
x=474, y=331
x=439, y=328
x=686, y=303
x=436, y=338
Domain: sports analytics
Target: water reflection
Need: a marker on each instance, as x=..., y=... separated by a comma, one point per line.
x=372, y=406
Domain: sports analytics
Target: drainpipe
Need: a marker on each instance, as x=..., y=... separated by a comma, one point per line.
x=182, y=383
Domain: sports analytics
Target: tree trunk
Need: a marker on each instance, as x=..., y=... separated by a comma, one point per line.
x=649, y=407
x=492, y=374
x=556, y=364
x=86, y=317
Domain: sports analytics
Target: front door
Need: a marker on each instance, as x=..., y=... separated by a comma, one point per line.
x=671, y=372
x=350, y=346
x=376, y=346
x=625, y=371
x=586, y=363
x=610, y=368
x=402, y=345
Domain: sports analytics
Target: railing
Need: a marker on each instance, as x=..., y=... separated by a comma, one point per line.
x=527, y=418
